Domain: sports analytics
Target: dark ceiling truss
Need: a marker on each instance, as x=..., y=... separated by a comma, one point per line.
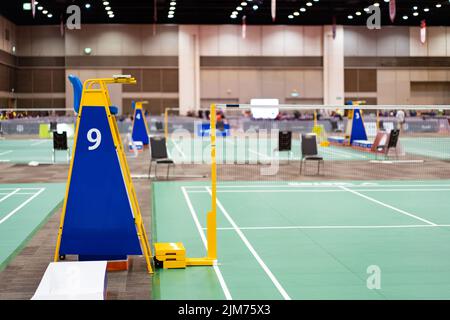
x=218, y=12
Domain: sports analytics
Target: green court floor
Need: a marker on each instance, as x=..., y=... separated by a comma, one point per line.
x=232, y=150
x=23, y=209
x=27, y=150
x=434, y=147
x=308, y=240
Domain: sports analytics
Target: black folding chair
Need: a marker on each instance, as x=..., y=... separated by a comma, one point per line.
x=159, y=155
x=392, y=142
x=159, y=126
x=53, y=126
x=309, y=152
x=60, y=144
x=284, y=142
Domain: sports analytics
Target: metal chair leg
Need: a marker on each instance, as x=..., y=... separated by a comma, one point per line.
x=167, y=176
x=150, y=169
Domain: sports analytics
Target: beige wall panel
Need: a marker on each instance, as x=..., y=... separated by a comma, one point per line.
x=209, y=40
x=272, y=40
x=386, y=87
x=109, y=41
x=437, y=41
x=150, y=42
x=386, y=42
x=228, y=84
x=313, y=84
x=367, y=42
x=23, y=41
x=293, y=41
x=250, y=82
x=228, y=40
x=273, y=85
x=419, y=75
x=437, y=75
x=168, y=40
x=209, y=84
x=448, y=41
x=312, y=43
x=403, y=88
x=417, y=49
x=351, y=35
x=47, y=41
x=251, y=45
x=131, y=40
x=294, y=82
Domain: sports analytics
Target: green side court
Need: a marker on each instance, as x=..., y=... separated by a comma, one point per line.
x=24, y=208
x=28, y=150
x=308, y=240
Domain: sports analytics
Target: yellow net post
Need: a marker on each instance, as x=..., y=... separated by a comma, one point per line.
x=211, y=217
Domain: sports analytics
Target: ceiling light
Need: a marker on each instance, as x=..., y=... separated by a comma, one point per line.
x=171, y=12
x=296, y=13
x=239, y=8
x=87, y=50
x=235, y=13
x=415, y=14
x=107, y=8
x=49, y=15
x=415, y=7
x=350, y=17
x=376, y=4
x=105, y=3
x=233, y=16
x=173, y=3
x=358, y=13
x=255, y=7
x=426, y=9
x=40, y=8
x=87, y=5
x=290, y=16
x=302, y=9
x=110, y=12
x=316, y=0
x=438, y=5
x=45, y=12
x=172, y=8
x=170, y=16
x=387, y=0
x=366, y=9
x=309, y=4
x=243, y=4
x=26, y=6
x=111, y=16
x=405, y=17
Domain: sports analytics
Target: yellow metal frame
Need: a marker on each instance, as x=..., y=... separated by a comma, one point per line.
x=139, y=105
x=95, y=93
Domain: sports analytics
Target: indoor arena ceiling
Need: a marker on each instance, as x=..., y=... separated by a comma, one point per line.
x=290, y=12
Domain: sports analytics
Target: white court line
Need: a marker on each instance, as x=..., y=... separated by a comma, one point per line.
x=252, y=250
x=178, y=148
x=10, y=194
x=406, y=226
x=9, y=215
x=322, y=185
x=4, y=189
x=18, y=193
x=39, y=142
x=202, y=236
x=317, y=191
x=5, y=152
x=350, y=154
x=387, y=205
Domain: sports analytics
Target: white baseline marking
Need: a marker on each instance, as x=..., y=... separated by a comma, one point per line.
x=9, y=194
x=252, y=250
x=322, y=185
x=5, y=152
x=406, y=226
x=39, y=142
x=387, y=205
x=202, y=236
x=317, y=190
x=9, y=215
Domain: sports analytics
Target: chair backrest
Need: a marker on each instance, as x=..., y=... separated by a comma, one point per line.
x=158, y=148
x=77, y=91
x=309, y=145
x=393, y=138
x=53, y=126
x=284, y=140
x=159, y=125
x=60, y=140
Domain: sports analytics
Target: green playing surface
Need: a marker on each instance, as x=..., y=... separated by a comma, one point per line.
x=308, y=240
x=23, y=209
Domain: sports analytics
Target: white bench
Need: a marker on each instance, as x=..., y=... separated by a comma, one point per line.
x=84, y=280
